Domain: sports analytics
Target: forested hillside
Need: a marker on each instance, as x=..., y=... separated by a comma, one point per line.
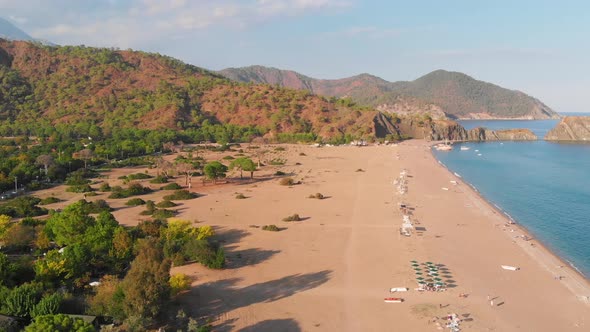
x=453, y=94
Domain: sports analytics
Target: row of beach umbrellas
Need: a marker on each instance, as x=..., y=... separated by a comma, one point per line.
x=430, y=269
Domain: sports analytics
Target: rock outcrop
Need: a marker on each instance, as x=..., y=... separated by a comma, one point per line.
x=483, y=134
x=571, y=128
x=438, y=130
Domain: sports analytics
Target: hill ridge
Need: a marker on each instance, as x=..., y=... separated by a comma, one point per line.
x=444, y=93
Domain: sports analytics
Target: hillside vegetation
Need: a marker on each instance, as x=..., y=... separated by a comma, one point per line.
x=453, y=94
x=100, y=90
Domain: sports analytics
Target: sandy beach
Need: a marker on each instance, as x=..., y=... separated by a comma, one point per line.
x=332, y=270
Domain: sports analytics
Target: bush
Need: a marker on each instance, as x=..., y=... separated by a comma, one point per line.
x=49, y=200
x=134, y=189
x=179, y=282
x=240, y=196
x=105, y=187
x=171, y=186
x=280, y=148
x=302, y=154
x=95, y=207
x=135, y=202
x=83, y=188
x=360, y=170
x=287, y=182
x=162, y=214
x=166, y=204
x=277, y=162
x=270, y=228
x=228, y=158
x=316, y=196
x=180, y=195
x=138, y=176
x=294, y=217
x=159, y=179
x=279, y=173
x=23, y=206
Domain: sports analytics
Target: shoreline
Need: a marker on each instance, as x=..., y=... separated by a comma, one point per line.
x=550, y=254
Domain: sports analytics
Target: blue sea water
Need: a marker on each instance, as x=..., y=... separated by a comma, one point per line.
x=543, y=186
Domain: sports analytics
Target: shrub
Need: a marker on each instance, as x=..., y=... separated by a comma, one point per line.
x=277, y=162
x=83, y=188
x=49, y=200
x=171, y=186
x=360, y=170
x=270, y=228
x=240, y=196
x=95, y=207
x=135, y=202
x=287, y=182
x=179, y=282
x=316, y=196
x=180, y=195
x=228, y=158
x=279, y=148
x=166, y=204
x=302, y=154
x=279, y=173
x=159, y=179
x=294, y=217
x=162, y=214
x=134, y=189
x=139, y=176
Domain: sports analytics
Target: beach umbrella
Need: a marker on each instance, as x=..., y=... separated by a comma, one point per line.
x=418, y=273
x=429, y=263
x=417, y=268
x=434, y=274
x=438, y=279
x=421, y=282
x=420, y=278
x=414, y=262
x=440, y=283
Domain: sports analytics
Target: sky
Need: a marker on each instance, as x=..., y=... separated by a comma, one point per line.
x=538, y=47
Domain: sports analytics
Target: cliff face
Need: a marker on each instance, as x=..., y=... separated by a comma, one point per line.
x=483, y=134
x=570, y=128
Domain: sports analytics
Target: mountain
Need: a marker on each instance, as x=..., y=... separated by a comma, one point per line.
x=45, y=86
x=10, y=31
x=440, y=93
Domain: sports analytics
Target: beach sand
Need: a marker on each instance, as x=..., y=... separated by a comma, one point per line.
x=332, y=270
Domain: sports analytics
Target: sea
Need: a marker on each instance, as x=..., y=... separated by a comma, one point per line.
x=543, y=186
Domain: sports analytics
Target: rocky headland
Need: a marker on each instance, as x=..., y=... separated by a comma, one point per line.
x=571, y=128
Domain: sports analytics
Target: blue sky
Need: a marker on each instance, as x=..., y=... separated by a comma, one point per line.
x=539, y=47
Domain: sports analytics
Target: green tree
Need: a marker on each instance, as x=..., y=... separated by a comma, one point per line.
x=59, y=323
x=48, y=305
x=244, y=164
x=215, y=170
x=21, y=300
x=6, y=270
x=146, y=286
x=108, y=299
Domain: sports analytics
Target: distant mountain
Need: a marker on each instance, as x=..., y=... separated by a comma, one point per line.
x=440, y=93
x=10, y=31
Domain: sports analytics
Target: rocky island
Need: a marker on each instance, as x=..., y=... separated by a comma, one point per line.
x=571, y=128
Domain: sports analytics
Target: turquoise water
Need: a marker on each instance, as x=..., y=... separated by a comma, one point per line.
x=543, y=186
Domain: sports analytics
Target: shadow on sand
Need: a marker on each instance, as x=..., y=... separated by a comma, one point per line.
x=273, y=325
x=215, y=299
